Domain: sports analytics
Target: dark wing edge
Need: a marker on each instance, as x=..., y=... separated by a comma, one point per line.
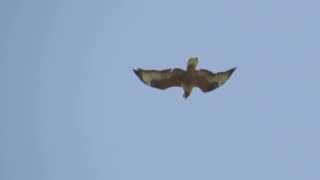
x=208, y=81
x=161, y=79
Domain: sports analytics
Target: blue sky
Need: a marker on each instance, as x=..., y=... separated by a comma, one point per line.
x=71, y=107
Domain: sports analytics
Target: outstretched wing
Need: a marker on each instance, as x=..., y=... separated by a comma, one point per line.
x=161, y=79
x=208, y=81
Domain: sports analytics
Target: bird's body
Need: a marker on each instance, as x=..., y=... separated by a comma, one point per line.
x=204, y=79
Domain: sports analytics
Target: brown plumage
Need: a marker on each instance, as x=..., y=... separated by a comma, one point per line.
x=203, y=79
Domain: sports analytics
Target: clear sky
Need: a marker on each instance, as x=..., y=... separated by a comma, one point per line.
x=71, y=107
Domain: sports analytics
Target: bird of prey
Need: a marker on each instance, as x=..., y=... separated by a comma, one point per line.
x=203, y=79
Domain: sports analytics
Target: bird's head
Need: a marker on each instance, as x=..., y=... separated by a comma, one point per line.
x=192, y=63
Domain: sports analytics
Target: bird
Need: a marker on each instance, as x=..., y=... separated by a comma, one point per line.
x=186, y=79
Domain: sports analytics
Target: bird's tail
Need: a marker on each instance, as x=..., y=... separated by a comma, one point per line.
x=186, y=94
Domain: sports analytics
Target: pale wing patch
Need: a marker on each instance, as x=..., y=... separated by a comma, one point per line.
x=220, y=78
x=147, y=77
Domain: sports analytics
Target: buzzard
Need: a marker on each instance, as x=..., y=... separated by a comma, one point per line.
x=203, y=79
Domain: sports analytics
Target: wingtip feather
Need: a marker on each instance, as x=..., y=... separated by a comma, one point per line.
x=138, y=73
x=231, y=71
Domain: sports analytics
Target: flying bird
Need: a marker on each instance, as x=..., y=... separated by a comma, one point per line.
x=187, y=79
